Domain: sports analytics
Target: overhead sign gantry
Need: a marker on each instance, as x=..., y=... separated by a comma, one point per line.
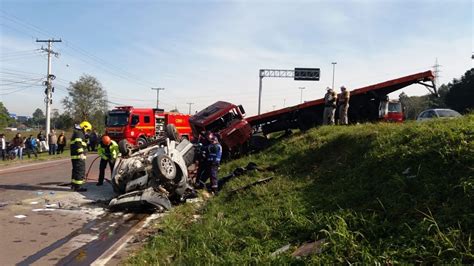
x=311, y=74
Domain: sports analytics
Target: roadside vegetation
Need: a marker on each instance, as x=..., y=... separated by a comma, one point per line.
x=374, y=193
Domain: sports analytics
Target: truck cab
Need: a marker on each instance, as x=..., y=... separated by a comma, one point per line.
x=227, y=121
x=391, y=111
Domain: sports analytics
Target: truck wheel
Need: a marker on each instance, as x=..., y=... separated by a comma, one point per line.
x=172, y=132
x=141, y=141
x=164, y=167
x=124, y=147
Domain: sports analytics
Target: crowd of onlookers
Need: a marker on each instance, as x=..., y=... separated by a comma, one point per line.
x=31, y=145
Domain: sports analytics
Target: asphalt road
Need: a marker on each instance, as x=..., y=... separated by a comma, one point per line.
x=43, y=223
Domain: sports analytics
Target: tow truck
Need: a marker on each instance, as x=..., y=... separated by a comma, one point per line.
x=367, y=104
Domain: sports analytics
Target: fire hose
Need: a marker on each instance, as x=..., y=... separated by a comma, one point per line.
x=90, y=167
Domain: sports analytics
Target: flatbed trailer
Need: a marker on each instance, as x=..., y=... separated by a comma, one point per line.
x=363, y=106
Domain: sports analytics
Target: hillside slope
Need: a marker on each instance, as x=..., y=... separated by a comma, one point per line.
x=384, y=193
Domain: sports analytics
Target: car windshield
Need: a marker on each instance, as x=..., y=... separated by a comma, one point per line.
x=448, y=113
x=114, y=120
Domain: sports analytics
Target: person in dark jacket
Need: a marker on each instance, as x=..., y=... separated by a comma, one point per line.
x=61, y=143
x=213, y=159
x=41, y=142
x=78, y=157
x=18, y=145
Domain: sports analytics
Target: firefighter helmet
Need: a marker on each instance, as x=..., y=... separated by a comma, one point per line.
x=86, y=126
x=106, y=140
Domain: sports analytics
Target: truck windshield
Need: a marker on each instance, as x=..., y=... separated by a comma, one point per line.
x=394, y=107
x=115, y=120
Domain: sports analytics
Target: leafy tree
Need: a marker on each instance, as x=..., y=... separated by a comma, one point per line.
x=38, y=118
x=5, y=118
x=64, y=121
x=414, y=105
x=460, y=96
x=87, y=100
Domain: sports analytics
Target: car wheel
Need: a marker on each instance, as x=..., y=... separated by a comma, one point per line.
x=124, y=147
x=172, y=132
x=164, y=167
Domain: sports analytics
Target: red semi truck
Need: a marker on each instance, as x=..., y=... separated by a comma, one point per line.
x=366, y=105
x=141, y=125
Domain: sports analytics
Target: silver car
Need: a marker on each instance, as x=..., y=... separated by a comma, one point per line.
x=437, y=113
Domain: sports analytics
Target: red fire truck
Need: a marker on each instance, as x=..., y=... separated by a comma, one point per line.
x=141, y=125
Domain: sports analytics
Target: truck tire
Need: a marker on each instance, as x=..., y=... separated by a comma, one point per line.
x=172, y=132
x=164, y=167
x=124, y=147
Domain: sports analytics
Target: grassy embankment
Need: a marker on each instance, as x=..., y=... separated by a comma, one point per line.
x=384, y=193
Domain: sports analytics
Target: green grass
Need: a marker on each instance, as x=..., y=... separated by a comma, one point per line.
x=342, y=184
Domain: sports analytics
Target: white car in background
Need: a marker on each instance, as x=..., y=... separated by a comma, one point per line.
x=437, y=113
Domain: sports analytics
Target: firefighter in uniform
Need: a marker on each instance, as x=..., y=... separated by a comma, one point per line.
x=343, y=103
x=108, y=151
x=78, y=157
x=213, y=159
x=330, y=99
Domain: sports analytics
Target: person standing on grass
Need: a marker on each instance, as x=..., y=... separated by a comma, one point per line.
x=3, y=147
x=343, y=103
x=17, y=144
x=61, y=143
x=330, y=99
x=214, y=155
x=42, y=142
x=53, y=142
x=30, y=146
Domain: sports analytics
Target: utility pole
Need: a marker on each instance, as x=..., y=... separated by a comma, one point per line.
x=333, y=72
x=49, y=89
x=301, y=96
x=190, y=107
x=436, y=71
x=158, y=96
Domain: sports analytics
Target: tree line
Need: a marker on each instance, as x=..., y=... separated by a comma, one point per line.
x=457, y=95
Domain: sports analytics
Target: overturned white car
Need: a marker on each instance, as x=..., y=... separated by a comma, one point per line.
x=152, y=175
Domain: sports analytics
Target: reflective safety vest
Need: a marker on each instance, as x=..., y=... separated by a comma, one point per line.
x=78, y=145
x=214, y=152
x=109, y=152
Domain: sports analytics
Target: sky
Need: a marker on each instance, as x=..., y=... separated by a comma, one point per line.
x=205, y=51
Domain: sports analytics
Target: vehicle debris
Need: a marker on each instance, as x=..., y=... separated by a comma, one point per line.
x=309, y=248
x=260, y=181
x=280, y=250
x=152, y=175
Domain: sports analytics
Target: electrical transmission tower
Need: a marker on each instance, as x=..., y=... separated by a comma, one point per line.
x=49, y=88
